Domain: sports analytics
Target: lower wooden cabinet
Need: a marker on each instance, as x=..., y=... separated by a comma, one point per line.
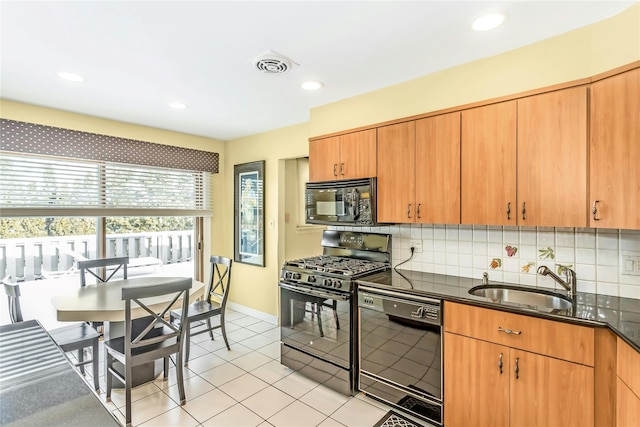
x=498, y=384
x=628, y=386
x=486, y=384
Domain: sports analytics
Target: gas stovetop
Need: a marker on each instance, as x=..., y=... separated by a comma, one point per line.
x=344, y=266
x=347, y=255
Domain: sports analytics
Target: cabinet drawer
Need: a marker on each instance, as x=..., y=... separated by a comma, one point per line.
x=629, y=366
x=551, y=338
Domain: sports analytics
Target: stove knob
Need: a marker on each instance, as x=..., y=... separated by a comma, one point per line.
x=311, y=279
x=288, y=274
x=326, y=282
x=296, y=276
x=337, y=284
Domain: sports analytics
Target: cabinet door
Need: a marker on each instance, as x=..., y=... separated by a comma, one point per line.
x=614, y=174
x=549, y=392
x=552, y=159
x=489, y=164
x=324, y=159
x=396, y=177
x=476, y=393
x=438, y=169
x=627, y=406
x=358, y=155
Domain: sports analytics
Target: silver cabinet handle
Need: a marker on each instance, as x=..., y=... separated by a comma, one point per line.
x=509, y=331
x=594, y=210
x=335, y=169
x=500, y=363
x=509, y=210
x=517, y=368
x=342, y=169
x=409, y=210
x=524, y=210
x=418, y=210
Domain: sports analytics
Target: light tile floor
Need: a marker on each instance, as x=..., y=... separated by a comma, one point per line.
x=244, y=386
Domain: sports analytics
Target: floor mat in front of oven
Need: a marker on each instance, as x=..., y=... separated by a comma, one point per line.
x=393, y=419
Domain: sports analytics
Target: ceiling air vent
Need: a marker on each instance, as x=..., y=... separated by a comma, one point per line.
x=273, y=63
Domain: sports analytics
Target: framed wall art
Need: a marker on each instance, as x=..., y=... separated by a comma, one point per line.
x=249, y=213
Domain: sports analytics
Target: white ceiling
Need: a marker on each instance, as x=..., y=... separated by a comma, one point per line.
x=138, y=56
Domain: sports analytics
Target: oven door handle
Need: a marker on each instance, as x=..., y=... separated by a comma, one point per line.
x=313, y=292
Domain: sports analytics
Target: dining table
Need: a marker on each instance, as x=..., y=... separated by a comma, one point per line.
x=103, y=303
x=38, y=384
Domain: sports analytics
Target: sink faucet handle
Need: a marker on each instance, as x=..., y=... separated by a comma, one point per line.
x=485, y=278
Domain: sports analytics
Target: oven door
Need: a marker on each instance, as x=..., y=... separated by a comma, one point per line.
x=316, y=322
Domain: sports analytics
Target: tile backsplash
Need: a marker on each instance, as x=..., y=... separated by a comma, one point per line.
x=513, y=254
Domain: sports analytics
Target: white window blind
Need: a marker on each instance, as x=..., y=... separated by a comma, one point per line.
x=46, y=186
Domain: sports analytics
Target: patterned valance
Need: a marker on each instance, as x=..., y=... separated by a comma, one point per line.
x=22, y=137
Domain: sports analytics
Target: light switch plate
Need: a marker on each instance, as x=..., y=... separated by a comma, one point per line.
x=630, y=263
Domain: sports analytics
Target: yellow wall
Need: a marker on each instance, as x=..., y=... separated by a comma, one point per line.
x=257, y=287
x=578, y=54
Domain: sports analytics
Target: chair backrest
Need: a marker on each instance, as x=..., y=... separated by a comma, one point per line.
x=13, y=296
x=150, y=334
x=219, y=279
x=87, y=265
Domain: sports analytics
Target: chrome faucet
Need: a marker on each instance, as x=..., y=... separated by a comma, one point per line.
x=571, y=283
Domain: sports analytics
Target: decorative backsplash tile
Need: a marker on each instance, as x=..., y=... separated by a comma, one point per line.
x=513, y=254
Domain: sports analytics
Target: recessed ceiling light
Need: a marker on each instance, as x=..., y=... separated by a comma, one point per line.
x=71, y=77
x=311, y=85
x=488, y=22
x=178, y=105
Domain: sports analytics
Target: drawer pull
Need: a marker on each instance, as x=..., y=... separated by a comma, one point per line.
x=509, y=331
x=500, y=363
x=517, y=368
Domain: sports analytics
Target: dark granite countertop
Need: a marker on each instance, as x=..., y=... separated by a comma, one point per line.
x=38, y=385
x=621, y=315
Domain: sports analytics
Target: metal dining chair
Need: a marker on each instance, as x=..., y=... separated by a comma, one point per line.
x=76, y=337
x=214, y=304
x=157, y=339
x=93, y=266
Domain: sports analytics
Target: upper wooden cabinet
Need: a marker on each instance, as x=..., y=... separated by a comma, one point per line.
x=614, y=159
x=396, y=172
x=437, y=164
x=489, y=164
x=348, y=156
x=419, y=171
x=552, y=159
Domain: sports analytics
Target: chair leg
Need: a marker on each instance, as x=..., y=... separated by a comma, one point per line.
x=80, y=360
x=209, y=326
x=187, y=343
x=96, y=364
x=127, y=392
x=335, y=313
x=224, y=331
x=180, y=379
x=108, y=375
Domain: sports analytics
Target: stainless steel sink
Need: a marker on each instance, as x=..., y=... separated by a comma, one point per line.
x=537, y=298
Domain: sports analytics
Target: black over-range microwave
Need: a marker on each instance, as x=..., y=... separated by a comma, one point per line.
x=348, y=202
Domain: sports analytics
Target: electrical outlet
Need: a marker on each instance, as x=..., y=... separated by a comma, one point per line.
x=630, y=263
x=417, y=246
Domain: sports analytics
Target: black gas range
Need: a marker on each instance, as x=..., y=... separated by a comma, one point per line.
x=318, y=306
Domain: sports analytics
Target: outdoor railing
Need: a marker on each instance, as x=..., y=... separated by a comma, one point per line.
x=36, y=258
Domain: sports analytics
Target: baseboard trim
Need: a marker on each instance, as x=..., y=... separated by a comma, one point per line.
x=269, y=318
